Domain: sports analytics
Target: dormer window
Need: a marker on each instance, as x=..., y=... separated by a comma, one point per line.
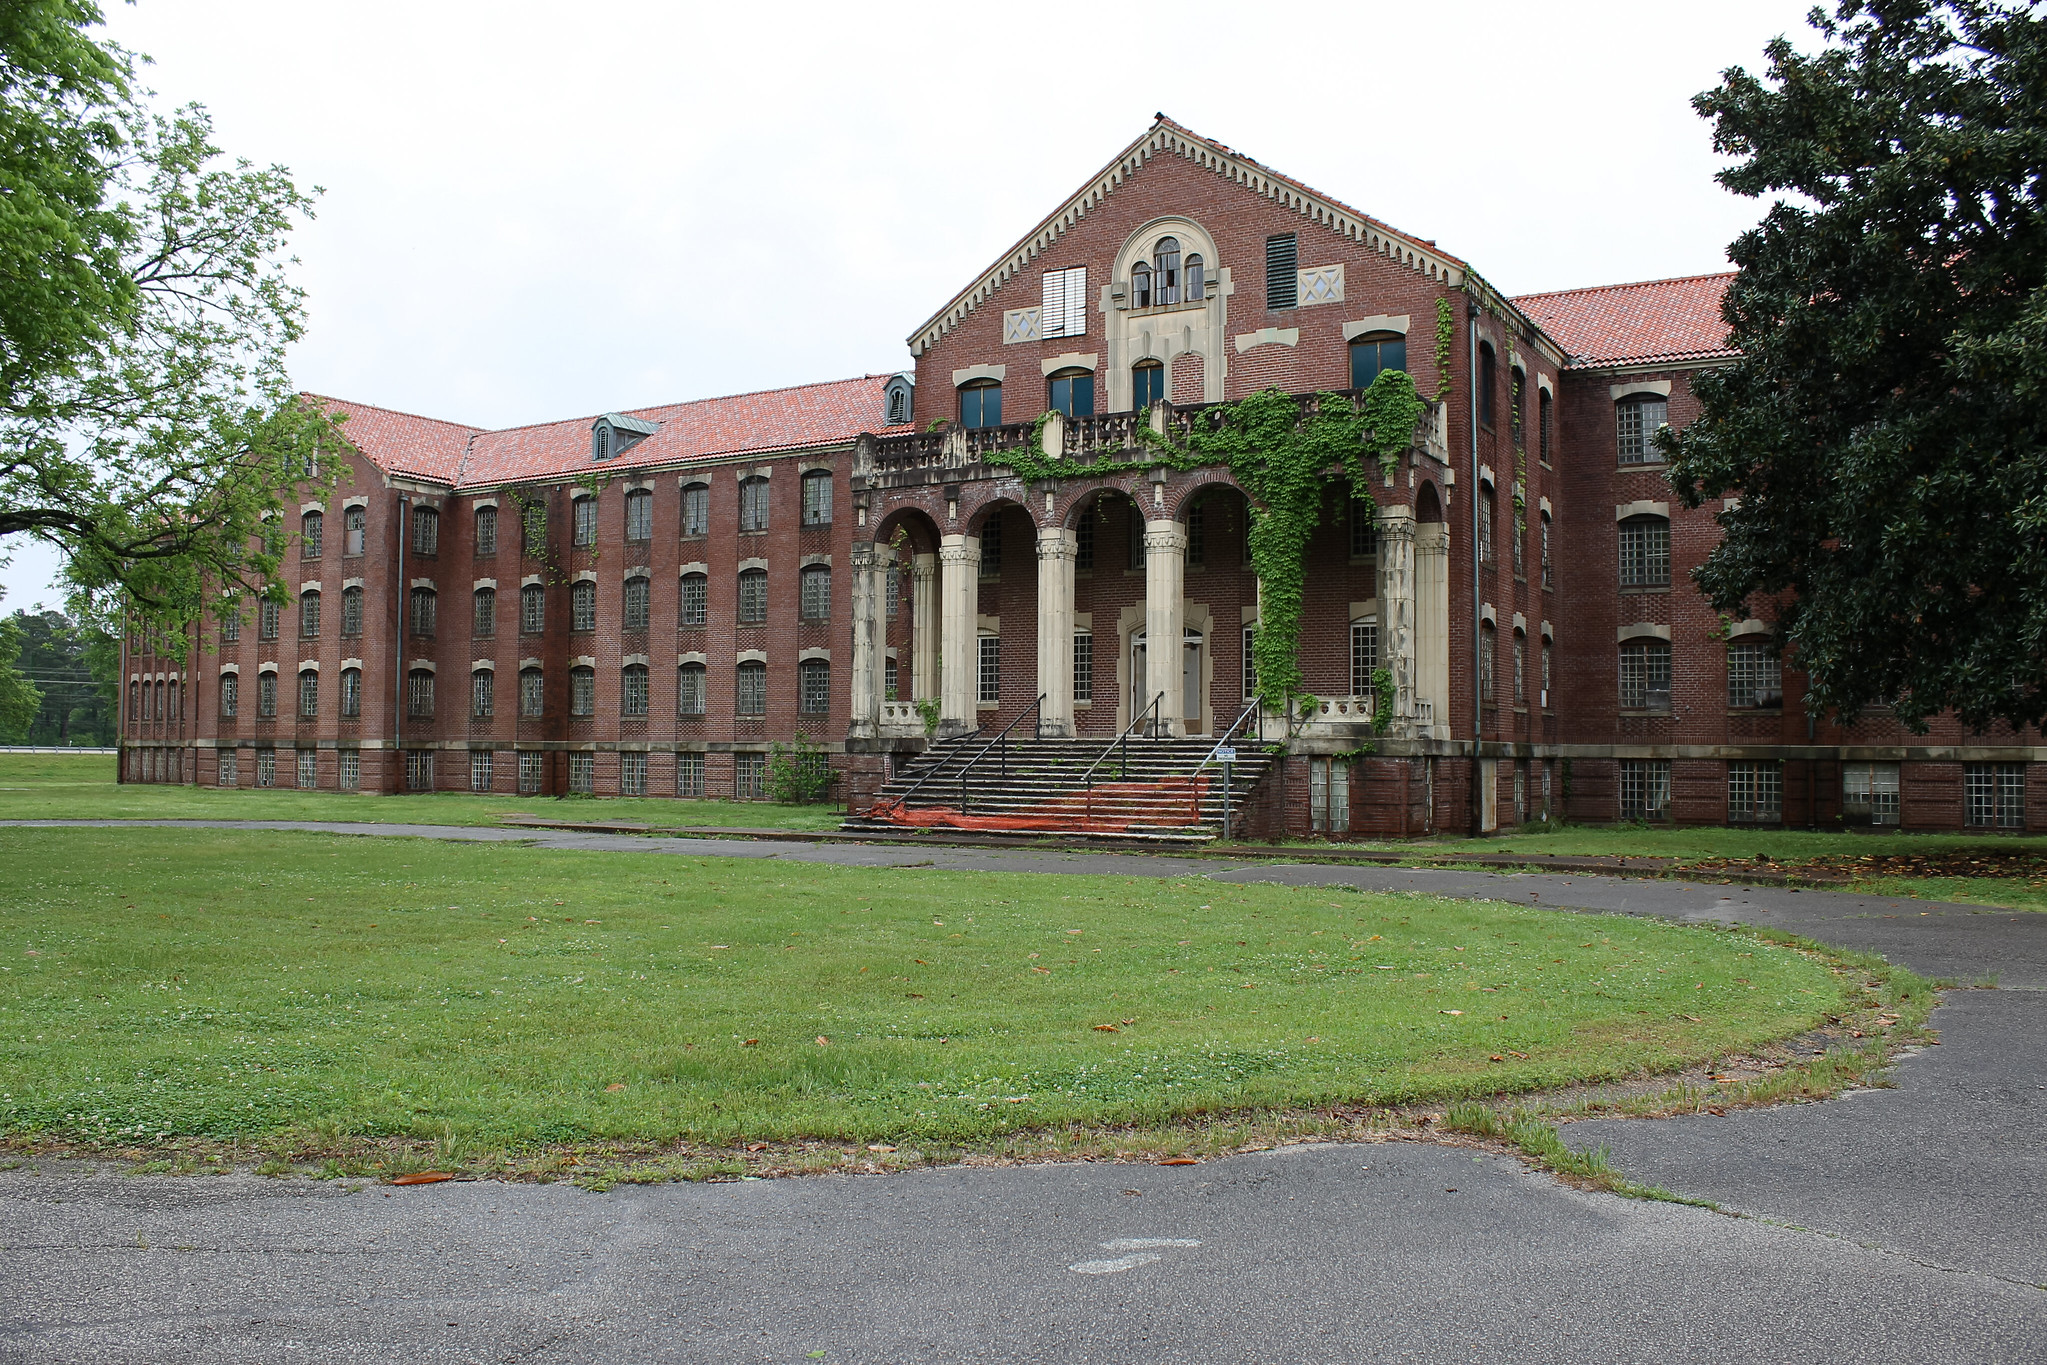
x=899, y=400
x=614, y=434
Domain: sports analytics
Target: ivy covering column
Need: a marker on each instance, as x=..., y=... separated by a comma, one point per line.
x=1165, y=578
x=959, y=560
x=1396, y=605
x=1057, y=549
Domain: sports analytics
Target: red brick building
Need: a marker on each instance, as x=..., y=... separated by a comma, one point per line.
x=644, y=601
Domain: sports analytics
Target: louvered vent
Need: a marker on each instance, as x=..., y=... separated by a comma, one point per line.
x=1282, y=255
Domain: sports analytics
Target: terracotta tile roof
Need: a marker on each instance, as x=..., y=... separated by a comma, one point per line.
x=807, y=415
x=1634, y=324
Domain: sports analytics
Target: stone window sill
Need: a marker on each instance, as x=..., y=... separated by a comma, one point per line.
x=1645, y=591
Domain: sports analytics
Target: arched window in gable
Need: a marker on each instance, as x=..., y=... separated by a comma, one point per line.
x=1165, y=260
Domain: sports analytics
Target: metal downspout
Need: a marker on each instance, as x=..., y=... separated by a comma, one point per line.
x=1477, y=635
x=398, y=662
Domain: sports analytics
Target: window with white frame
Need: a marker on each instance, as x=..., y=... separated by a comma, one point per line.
x=1645, y=552
x=309, y=769
x=639, y=515
x=989, y=674
x=482, y=692
x=694, y=607
x=532, y=609
x=532, y=771
x=1065, y=303
x=1645, y=675
x=348, y=770
x=583, y=521
x=889, y=675
x=583, y=606
x=1754, y=675
x=753, y=597
x=532, y=699
x=230, y=774
x=266, y=767
x=1869, y=794
x=749, y=776
x=753, y=506
x=632, y=699
x=481, y=770
x=816, y=595
x=1755, y=792
x=309, y=694
x=266, y=695
x=639, y=595
x=696, y=510
x=230, y=693
x=689, y=775
x=351, y=692
x=814, y=687
x=1329, y=795
x=1250, y=662
x=893, y=590
x=632, y=774
x=582, y=691
x=1364, y=656
x=419, y=693
x=582, y=774
x=750, y=698
x=354, y=528
x=689, y=690
x=1637, y=418
x=1520, y=661
x=1645, y=789
x=1994, y=795
x=817, y=497
x=1084, y=666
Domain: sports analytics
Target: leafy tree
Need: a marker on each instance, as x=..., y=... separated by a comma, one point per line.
x=1883, y=427
x=76, y=681
x=19, y=698
x=147, y=426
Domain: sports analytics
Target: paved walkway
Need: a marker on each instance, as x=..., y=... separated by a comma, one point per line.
x=1896, y=1224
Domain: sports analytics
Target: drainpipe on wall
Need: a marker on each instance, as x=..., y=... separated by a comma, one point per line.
x=1477, y=635
x=398, y=664
x=121, y=703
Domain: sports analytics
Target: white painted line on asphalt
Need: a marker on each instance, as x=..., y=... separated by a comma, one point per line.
x=1147, y=1243
x=1141, y=1254
x=1120, y=1264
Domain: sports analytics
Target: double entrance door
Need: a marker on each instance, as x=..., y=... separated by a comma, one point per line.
x=1190, y=681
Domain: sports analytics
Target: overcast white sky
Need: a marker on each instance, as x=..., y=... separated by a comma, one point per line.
x=535, y=211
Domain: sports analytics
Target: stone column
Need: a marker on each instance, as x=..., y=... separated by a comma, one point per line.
x=1057, y=548
x=868, y=561
x=1165, y=578
x=959, y=558
x=1432, y=620
x=923, y=627
x=1396, y=605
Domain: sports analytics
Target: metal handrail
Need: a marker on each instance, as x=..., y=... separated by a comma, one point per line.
x=1252, y=712
x=1120, y=745
x=902, y=802
x=1002, y=741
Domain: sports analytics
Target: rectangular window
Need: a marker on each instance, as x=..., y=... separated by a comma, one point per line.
x=1520, y=669
x=1549, y=573
x=531, y=766
x=582, y=774
x=749, y=776
x=894, y=590
x=1869, y=794
x=1084, y=667
x=266, y=767
x=1755, y=793
x=753, y=506
x=419, y=693
x=817, y=498
x=814, y=687
x=351, y=692
x=1754, y=676
x=1645, y=553
x=1637, y=420
x=638, y=603
x=486, y=530
x=531, y=698
x=231, y=623
x=266, y=694
x=632, y=774
x=481, y=768
x=1485, y=525
x=354, y=524
x=1282, y=261
x=1065, y=311
x=1084, y=541
x=309, y=770
x=889, y=675
x=585, y=521
x=582, y=691
x=696, y=510
x=752, y=695
x=348, y=771
x=532, y=609
x=268, y=615
x=351, y=611
x=991, y=547
x=309, y=694
x=311, y=533
x=426, y=531
x=229, y=775
x=1645, y=675
x=583, y=606
x=1520, y=541
x=815, y=599
x=696, y=594
x=1994, y=795
x=1364, y=656
x=633, y=691
x=990, y=674
x=424, y=603
x=533, y=525
x=639, y=515
x=484, y=622
x=482, y=692
x=1197, y=537
x=1645, y=788
x=1364, y=530
x=1329, y=795
x=689, y=690
x=753, y=597
x=689, y=775
x=1250, y=663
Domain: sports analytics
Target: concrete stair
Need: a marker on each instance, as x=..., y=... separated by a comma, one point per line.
x=1154, y=791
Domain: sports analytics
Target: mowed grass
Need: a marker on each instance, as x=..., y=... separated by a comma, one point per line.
x=1712, y=841
x=82, y=787
x=163, y=984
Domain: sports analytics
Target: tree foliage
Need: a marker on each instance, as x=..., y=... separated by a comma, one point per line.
x=147, y=425
x=1884, y=428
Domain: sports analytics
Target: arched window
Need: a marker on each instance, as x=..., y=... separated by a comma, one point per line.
x=696, y=510
x=1487, y=380
x=1645, y=675
x=1165, y=264
x=532, y=609
x=1488, y=646
x=482, y=692
x=813, y=687
x=354, y=528
x=817, y=498
x=600, y=441
x=981, y=404
x=484, y=613
x=583, y=606
x=583, y=521
x=532, y=698
x=689, y=690
x=419, y=692
x=266, y=695
x=638, y=596
x=696, y=598
x=309, y=694
x=309, y=615
x=1140, y=285
x=351, y=692
x=1073, y=393
x=582, y=691
x=230, y=695
x=1645, y=552
x=1636, y=421
x=426, y=531
x=424, y=607
x=753, y=506
x=898, y=404
x=753, y=597
x=1197, y=281
x=486, y=530
x=1373, y=353
x=1147, y=384
x=312, y=529
x=632, y=693
x=751, y=698
x=816, y=603
x=639, y=515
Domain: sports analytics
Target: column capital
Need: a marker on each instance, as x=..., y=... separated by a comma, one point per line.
x=1056, y=542
x=923, y=567
x=864, y=553
x=1165, y=535
x=960, y=549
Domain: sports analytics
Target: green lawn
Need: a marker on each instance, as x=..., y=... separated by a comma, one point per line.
x=162, y=983
x=82, y=787
x=1714, y=841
